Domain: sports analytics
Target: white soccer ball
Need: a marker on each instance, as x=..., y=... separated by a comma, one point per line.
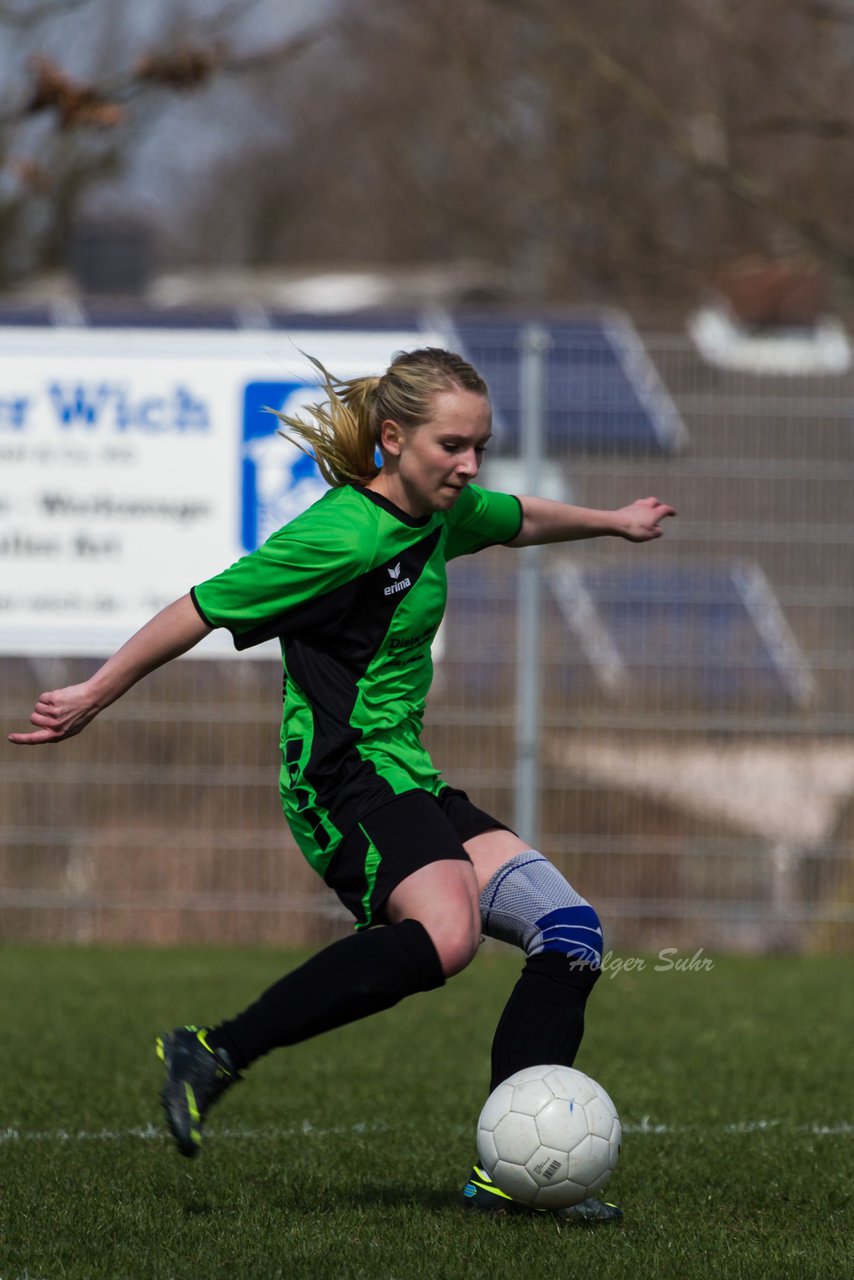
x=549, y=1136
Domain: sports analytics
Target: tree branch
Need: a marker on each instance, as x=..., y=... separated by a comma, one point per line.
x=34, y=14
x=181, y=68
x=229, y=13
x=816, y=128
x=827, y=12
x=743, y=185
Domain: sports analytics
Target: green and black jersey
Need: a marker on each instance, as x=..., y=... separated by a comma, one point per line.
x=355, y=589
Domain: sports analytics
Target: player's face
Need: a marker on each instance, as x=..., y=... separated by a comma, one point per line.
x=434, y=462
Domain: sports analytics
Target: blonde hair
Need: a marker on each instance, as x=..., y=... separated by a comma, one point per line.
x=343, y=430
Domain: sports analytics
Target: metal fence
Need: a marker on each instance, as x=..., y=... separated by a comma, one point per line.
x=673, y=723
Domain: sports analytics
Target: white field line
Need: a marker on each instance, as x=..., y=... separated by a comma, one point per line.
x=645, y=1127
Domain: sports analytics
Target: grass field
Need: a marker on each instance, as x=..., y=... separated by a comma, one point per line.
x=345, y=1157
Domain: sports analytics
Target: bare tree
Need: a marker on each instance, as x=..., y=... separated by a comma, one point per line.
x=585, y=150
x=593, y=149
x=68, y=136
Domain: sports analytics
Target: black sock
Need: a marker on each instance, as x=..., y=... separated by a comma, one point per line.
x=543, y=1021
x=359, y=975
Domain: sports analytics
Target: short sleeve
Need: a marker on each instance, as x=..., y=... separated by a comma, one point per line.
x=481, y=518
x=271, y=590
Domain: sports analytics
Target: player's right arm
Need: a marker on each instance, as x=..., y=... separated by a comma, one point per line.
x=62, y=713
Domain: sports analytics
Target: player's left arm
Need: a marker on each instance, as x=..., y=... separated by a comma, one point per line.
x=63, y=713
x=545, y=521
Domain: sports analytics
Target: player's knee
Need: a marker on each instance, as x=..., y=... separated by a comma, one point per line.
x=575, y=932
x=456, y=939
x=443, y=897
x=458, y=951
x=530, y=904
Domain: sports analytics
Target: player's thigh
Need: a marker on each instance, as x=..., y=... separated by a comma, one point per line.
x=486, y=839
x=406, y=860
x=490, y=851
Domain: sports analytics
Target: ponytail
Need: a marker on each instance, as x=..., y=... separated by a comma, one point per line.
x=341, y=434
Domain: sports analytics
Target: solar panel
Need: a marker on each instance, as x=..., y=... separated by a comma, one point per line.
x=24, y=314
x=349, y=322
x=129, y=315
x=113, y=316
x=688, y=633
x=685, y=635
x=602, y=392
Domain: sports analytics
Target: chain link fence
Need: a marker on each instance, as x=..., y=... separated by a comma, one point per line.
x=688, y=756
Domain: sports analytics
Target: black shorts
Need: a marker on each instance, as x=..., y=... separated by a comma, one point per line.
x=391, y=842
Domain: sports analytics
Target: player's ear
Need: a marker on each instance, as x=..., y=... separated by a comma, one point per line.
x=391, y=437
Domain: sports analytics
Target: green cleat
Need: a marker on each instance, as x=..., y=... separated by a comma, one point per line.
x=481, y=1193
x=196, y=1076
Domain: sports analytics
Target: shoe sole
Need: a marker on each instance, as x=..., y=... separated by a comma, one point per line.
x=499, y=1207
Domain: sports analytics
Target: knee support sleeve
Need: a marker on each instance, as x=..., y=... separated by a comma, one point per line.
x=531, y=905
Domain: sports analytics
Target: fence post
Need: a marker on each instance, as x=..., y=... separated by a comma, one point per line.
x=532, y=383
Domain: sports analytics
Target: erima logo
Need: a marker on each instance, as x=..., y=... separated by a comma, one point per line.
x=399, y=584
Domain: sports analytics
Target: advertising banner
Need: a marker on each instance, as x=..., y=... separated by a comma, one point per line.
x=136, y=463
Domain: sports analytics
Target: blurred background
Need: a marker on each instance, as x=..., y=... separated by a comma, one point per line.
x=636, y=221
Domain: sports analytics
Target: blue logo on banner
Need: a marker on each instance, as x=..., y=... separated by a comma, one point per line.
x=278, y=480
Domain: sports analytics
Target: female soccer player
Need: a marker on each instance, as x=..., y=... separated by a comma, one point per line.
x=355, y=589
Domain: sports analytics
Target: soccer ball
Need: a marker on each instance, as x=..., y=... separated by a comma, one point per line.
x=549, y=1136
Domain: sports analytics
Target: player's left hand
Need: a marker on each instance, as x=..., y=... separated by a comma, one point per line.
x=641, y=520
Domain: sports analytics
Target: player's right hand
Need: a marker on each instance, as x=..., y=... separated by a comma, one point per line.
x=58, y=715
